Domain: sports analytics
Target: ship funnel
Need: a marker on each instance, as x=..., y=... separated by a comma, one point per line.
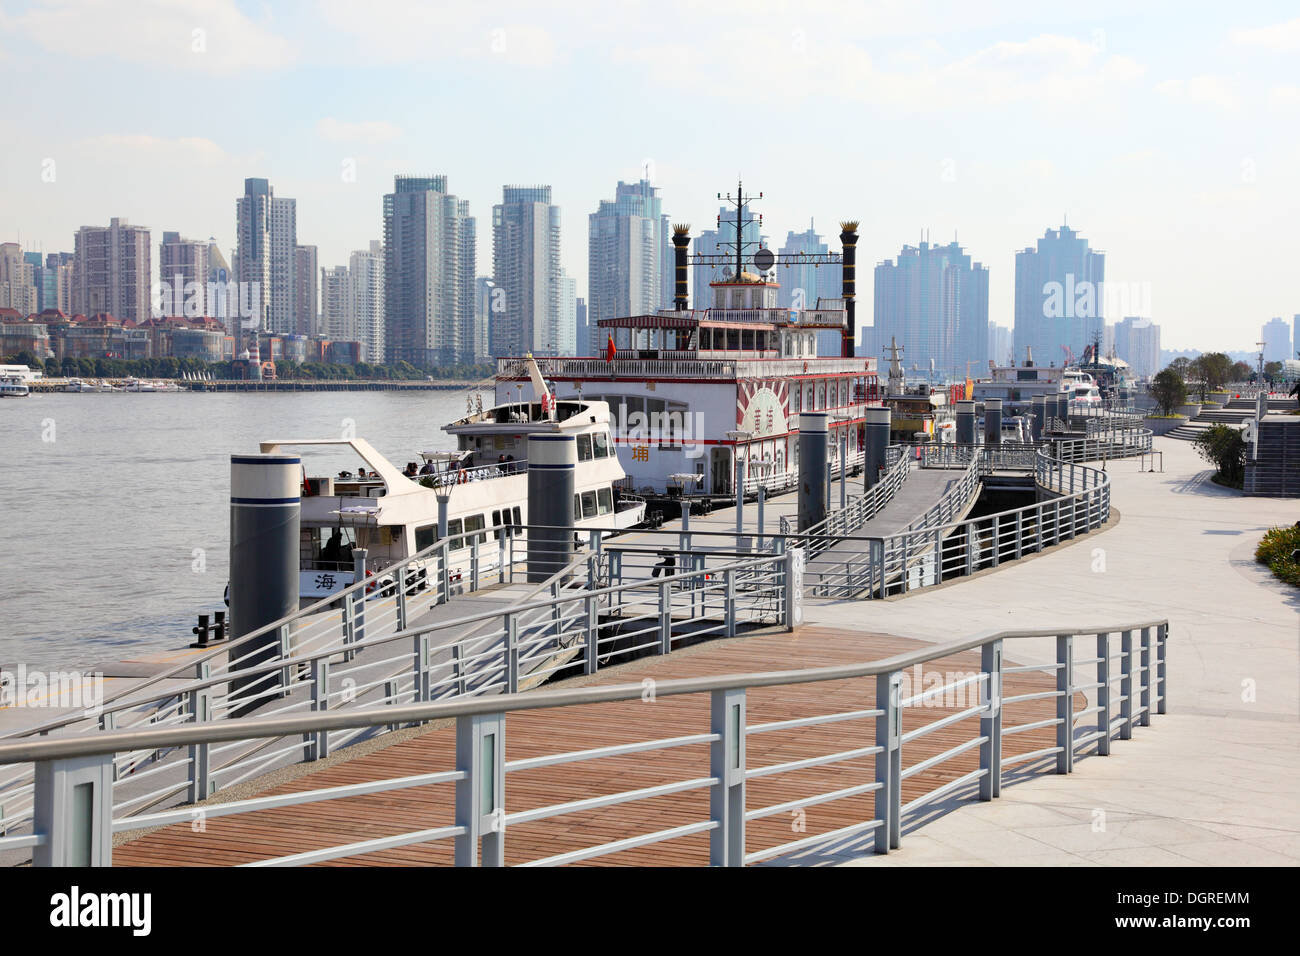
x=681, y=239
x=849, y=239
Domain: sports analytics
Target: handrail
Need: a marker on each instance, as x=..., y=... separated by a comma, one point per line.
x=243, y=728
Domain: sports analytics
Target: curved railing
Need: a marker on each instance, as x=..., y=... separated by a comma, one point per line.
x=929, y=552
x=863, y=507
x=994, y=730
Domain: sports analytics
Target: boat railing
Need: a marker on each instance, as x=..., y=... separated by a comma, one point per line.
x=1105, y=679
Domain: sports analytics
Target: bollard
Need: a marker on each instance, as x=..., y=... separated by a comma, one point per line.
x=813, y=449
x=265, y=508
x=965, y=423
x=993, y=421
x=1039, y=411
x=552, y=460
x=875, y=444
x=201, y=632
x=219, y=628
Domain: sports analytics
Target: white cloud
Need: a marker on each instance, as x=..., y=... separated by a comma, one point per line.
x=211, y=36
x=402, y=31
x=1286, y=95
x=1279, y=36
x=1201, y=90
x=1048, y=68
x=189, y=149
x=339, y=131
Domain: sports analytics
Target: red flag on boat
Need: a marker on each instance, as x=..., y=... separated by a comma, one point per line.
x=609, y=350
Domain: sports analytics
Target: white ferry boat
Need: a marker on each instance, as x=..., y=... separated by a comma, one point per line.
x=392, y=512
x=1082, y=387
x=13, y=387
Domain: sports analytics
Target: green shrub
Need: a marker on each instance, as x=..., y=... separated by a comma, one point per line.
x=1224, y=447
x=1275, y=551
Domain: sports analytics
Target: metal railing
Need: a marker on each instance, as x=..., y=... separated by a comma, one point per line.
x=934, y=548
x=575, y=625
x=862, y=508
x=1128, y=688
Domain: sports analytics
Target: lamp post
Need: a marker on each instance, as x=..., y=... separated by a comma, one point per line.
x=738, y=437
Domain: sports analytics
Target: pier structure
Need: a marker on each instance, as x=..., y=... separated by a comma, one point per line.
x=909, y=787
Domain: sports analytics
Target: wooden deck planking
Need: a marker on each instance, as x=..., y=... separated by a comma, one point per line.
x=246, y=837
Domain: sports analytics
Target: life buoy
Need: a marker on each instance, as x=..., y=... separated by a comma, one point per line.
x=371, y=586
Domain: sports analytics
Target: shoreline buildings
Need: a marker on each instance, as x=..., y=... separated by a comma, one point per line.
x=526, y=270
x=628, y=247
x=1060, y=308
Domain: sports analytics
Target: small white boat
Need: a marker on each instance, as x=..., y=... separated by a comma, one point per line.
x=77, y=385
x=13, y=388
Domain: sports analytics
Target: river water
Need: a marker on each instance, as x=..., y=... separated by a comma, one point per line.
x=115, y=506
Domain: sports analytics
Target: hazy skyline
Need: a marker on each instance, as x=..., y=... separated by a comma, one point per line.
x=1167, y=135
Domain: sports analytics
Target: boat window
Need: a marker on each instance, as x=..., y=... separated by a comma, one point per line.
x=474, y=523
x=577, y=507
x=589, y=504
x=584, y=448
x=605, y=498
x=425, y=536
x=453, y=529
x=600, y=444
x=496, y=525
x=515, y=511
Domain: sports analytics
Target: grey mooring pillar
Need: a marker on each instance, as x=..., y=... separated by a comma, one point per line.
x=265, y=509
x=552, y=460
x=965, y=423
x=993, y=421
x=1063, y=409
x=740, y=489
x=1038, y=408
x=875, y=443
x=1261, y=405
x=813, y=453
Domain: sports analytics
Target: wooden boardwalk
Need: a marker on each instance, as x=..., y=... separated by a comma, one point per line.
x=246, y=837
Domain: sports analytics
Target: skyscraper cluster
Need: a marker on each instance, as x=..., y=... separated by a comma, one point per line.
x=933, y=301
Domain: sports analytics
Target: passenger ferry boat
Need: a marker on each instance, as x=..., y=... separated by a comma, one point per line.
x=13, y=387
x=692, y=391
x=393, y=514
x=1082, y=388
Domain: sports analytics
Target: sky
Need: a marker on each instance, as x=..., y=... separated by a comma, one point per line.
x=1167, y=133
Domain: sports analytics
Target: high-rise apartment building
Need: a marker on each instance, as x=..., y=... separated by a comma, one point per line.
x=17, y=280
x=934, y=301
x=183, y=269
x=526, y=268
x=113, y=271
x=223, y=293
x=336, y=305
x=366, y=301
x=566, y=291
x=1000, y=350
x=1137, y=341
x=802, y=283
x=1060, y=308
x=1276, y=336
x=54, y=282
x=583, y=336
x=429, y=271
x=629, y=245
x=266, y=228
x=306, y=293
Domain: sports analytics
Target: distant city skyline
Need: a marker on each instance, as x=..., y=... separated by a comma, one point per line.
x=1147, y=130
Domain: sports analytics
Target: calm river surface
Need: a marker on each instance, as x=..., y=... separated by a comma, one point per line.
x=115, y=506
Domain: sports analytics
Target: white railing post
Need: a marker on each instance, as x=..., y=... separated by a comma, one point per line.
x=1103, y=693
x=1065, y=702
x=1162, y=634
x=997, y=540
x=889, y=761
x=400, y=596
x=792, y=581
x=512, y=653
x=473, y=565
x=591, y=656
x=727, y=766
x=200, y=754
x=286, y=673
x=991, y=720
x=480, y=793
x=458, y=668
x=420, y=689
x=1144, y=718
x=444, y=574
x=72, y=805
x=1126, y=685
x=729, y=602
x=318, y=742
x=665, y=618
